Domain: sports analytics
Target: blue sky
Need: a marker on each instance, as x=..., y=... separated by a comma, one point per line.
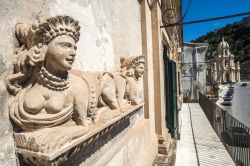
x=202, y=9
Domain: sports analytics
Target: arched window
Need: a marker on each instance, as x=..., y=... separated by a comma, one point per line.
x=226, y=63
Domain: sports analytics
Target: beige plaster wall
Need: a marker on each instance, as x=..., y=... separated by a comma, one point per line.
x=137, y=147
x=109, y=29
x=155, y=71
x=147, y=50
x=158, y=70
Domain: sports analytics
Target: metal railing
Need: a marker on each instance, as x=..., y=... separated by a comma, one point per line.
x=234, y=135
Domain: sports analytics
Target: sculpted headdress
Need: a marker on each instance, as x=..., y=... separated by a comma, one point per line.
x=128, y=64
x=132, y=62
x=46, y=30
x=138, y=60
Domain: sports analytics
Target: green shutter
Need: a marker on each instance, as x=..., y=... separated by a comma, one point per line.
x=174, y=110
x=171, y=96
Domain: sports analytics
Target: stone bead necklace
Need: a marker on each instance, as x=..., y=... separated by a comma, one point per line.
x=51, y=81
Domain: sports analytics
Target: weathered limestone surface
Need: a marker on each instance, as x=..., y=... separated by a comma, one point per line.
x=109, y=29
x=7, y=155
x=122, y=138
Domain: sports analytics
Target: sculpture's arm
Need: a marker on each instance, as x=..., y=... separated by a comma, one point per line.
x=81, y=111
x=131, y=92
x=81, y=96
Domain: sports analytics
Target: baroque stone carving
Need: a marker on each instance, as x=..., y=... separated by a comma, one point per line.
x=47, y=99
x=66, y=154
x=132, y=69
x=53, y=104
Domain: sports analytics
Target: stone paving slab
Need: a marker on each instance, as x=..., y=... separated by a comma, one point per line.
x=211, y=151
x=185, y=154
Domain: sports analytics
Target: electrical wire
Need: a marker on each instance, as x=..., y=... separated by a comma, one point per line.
x=205, y=20
x=190, y=2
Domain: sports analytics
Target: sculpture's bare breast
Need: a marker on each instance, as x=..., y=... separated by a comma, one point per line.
x=40, y=98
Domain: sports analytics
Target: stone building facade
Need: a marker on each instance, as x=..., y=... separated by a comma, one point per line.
x=222, y=68
x=119, y=39
x=193, y=70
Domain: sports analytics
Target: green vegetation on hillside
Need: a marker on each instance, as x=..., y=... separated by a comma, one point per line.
x=236, y=34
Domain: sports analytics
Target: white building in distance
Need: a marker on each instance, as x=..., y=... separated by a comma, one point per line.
x=222, y=68
x=193, y=70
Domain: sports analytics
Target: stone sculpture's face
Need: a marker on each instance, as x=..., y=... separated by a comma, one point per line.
x=61, y=52
x=139, y=70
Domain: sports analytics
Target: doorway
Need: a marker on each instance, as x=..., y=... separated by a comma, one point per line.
x=227, y=77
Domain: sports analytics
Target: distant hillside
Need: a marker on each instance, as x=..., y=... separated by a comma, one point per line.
x=238, y=36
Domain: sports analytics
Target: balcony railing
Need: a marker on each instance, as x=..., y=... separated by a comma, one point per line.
x=234, y=135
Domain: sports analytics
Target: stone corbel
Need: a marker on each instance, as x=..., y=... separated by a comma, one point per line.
x=79, y=146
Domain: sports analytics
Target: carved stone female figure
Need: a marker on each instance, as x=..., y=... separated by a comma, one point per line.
x=132, y=79
x=46, y=97
x=132, y=68
x=51, y=104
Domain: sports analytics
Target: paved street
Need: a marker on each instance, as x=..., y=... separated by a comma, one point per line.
x=207, y=150
x=240, y=108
